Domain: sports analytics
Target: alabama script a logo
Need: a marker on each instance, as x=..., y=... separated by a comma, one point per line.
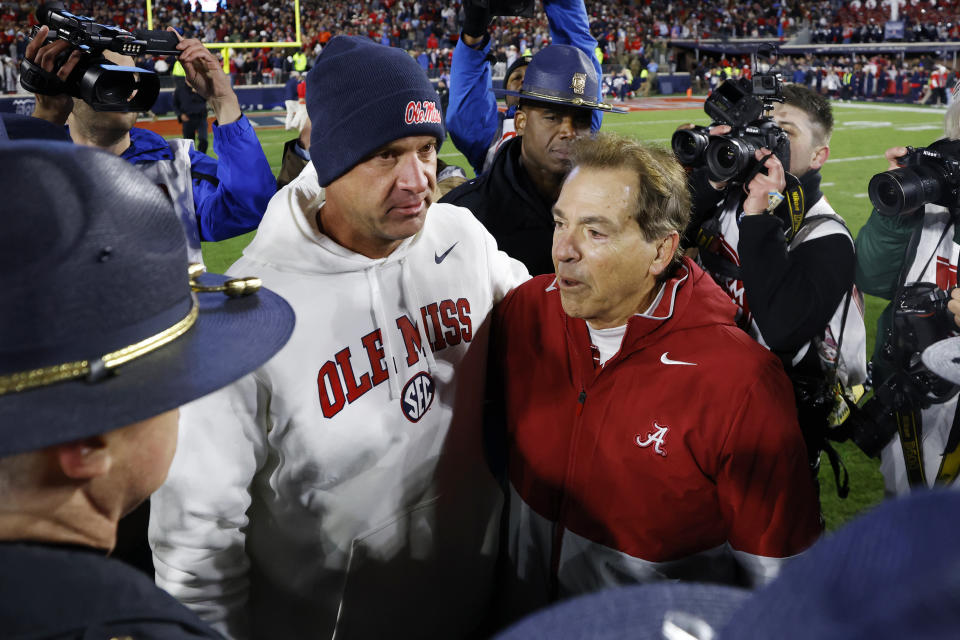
x=654, y=438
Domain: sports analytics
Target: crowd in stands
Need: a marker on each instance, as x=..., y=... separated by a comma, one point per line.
x=860, y=21
x=925, y=80
x=630, y=34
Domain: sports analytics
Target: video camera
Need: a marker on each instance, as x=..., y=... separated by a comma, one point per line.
x=745, y=106
x=96, y=81
x=523, y=8
x=929, y=175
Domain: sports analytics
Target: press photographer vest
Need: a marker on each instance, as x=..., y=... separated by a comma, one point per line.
x=174, y=178
x=819, y=220
x=934, y=259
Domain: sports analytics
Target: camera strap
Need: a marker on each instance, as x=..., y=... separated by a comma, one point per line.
x=910, y=428
x=841, y=409
x=708, y=239
x=36, y=79
x=909, y=418
x=950, y=463
x=791, y=211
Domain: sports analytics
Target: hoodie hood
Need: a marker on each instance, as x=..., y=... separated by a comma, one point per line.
x=290, y=218
x=691, y=299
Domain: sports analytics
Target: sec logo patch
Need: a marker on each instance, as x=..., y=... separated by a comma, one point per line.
x=417, y=396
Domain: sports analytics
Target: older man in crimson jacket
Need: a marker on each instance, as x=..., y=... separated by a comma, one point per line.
x=649, y=437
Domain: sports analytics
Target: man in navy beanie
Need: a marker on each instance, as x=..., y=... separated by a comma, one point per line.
x=342, y=489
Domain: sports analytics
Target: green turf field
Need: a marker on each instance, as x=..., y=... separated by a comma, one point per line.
x=861, y=134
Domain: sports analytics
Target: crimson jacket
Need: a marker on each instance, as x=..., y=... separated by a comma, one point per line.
x=679, y=458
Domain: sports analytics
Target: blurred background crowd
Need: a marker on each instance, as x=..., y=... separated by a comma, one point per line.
x=632, y=36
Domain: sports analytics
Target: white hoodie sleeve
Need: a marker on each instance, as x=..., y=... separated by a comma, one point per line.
x=198, y=516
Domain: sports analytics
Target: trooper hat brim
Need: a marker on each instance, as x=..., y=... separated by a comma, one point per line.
x=562, y=74
x=580, y=103
x=231, y=337
x=103, y=324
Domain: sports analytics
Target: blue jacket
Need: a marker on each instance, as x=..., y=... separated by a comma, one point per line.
x=229, y=195
x=66, y=591
x=473, y=119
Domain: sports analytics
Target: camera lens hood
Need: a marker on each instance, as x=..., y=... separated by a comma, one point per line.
x=728, y=158
x=902, y=191
x=689, y=146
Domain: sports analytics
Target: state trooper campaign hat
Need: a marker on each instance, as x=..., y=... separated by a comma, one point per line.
x=103, y=323
x=564, y=75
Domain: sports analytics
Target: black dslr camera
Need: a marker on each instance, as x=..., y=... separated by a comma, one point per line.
x=928, y=175
x=744, y=105
x=506, y=7
x=95, y=80
x=920, y=318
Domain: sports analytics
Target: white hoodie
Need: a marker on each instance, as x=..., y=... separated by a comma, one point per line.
x=341, y=490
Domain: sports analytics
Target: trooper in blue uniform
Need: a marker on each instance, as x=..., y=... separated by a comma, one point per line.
x=104, y=333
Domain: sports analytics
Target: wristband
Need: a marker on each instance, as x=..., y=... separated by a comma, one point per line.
x=774, y=198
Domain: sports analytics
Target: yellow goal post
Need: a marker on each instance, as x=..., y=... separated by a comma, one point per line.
x=226, y=46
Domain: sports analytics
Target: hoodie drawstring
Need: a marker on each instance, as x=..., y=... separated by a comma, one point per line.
x=414, y=303
x=386, y=332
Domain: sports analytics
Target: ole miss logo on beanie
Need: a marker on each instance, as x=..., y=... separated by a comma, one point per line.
x=422, y=112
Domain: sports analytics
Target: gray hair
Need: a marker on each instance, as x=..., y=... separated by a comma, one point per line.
x=662, y=203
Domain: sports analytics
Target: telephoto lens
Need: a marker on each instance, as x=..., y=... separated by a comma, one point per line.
x=902, y=191
x=928, y=175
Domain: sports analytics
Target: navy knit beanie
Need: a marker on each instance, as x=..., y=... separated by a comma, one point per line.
x=361, y=96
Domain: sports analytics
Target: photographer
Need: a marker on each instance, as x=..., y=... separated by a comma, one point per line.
x=921, y=245
x=476, y=126
x=795, y=294
x=215, y=199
